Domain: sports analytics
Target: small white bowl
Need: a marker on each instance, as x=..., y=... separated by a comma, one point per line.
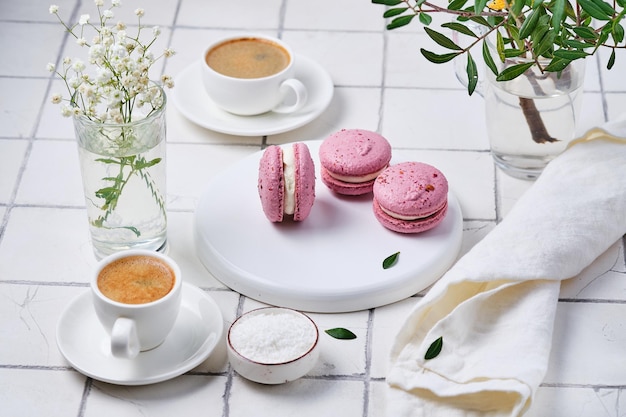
x=273, y=345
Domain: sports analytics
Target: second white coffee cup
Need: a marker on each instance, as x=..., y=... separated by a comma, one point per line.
x=252, y=74
x=137, y=296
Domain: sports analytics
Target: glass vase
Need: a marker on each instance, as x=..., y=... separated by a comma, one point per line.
x=532, y=118
x=123, y=173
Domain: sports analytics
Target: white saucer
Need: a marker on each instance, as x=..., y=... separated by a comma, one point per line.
x=331, y=261
x=84, y=343
x=193, y=102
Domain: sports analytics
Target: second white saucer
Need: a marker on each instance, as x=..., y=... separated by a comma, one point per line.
x=85, y=344
x=193, y=102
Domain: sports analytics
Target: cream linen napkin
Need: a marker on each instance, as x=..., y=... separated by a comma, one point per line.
x=495, y=307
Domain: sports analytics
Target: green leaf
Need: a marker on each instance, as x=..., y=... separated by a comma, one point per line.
x=479, y=5
x=489, y=59
x=107, y=161
x=557, y=64
x=611, y=62
x=390, y=260
x=395, y=12
x=546, y=44
x=400, y=21
x=472, y=74
x=604, y=6
x=459, y=28
x=596, y=10
x=514, y=71
x=569, y=54
x=456, y=4
x=585, y=33
x=434, y=349
x=529, y=24
x=442, y=39
x=617, y=33
x=438, y=59
x=558, y=10
x=500, y=46
x=340, y=333
x=572, y=43
x=387, y=2
x=142, y=163
x=425, y=18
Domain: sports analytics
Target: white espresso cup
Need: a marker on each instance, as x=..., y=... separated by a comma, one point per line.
x=137, y=296
x=252, y=74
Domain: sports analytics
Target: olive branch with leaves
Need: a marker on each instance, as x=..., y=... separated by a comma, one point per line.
x=559, y=31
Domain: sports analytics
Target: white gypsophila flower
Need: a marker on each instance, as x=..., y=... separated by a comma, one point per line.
x=78, y=65
x=81, y=41
x=156, y=31
x=76, y=111
x=51, y=67
x=56, y=98
x=116, y=3
x=119, y=51
x=96, y=51
x=74, y=82
x=120, y=26
x=103, y=76
x=167, y=81
x=99, y=3
x=84, y=19
x=67, y=60
x=53, y=9
x=169, y=52
x=139, y=12
x=108, y=14
x=66, y=111
x=115, y=97
x=121, y=35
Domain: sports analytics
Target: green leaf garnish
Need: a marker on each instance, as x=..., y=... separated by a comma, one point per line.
x=390, y=261
x=434, y=349
x=341, y=333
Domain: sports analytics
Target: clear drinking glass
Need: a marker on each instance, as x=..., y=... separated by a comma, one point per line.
x=123, y=173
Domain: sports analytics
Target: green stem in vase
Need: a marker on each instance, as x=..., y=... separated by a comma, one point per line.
x=111, y=194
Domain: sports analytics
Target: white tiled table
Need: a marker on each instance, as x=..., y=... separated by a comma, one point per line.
x=382, y=84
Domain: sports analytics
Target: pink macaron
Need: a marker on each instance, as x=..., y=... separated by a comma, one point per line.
x=286, y=182
x=351, y=159
x=410, y=197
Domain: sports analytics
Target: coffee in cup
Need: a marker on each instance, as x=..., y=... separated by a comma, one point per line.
x=252, y=74
x=137, y=296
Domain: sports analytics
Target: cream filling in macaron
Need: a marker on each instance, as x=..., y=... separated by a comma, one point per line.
x=401, y=217
x=356, y=179
x=289, y=173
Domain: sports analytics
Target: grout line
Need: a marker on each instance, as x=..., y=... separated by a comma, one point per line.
x=368, y=362
x=83, y=400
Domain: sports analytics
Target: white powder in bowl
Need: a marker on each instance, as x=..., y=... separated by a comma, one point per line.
x=273, y=336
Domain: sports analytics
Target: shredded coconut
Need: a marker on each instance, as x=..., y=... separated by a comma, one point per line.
x=273, y=337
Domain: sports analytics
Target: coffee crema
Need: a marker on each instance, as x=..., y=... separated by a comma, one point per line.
x=136, y=279
x=248, y=58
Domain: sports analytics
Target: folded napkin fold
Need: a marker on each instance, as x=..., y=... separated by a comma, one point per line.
x=495, y=307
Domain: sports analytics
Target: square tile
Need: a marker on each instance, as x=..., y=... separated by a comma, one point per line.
x=575, y=401
x=12, y=154
x=52, y=175
x=194, y=395
x=15, y=38
x=599, y=360
x=251, y=399
x=30, y=392
x=347, y=15
x=434, y=119
x=235, y=15
x=29, y=319
x=57, y=238
x=351, y=58
x=20, y=103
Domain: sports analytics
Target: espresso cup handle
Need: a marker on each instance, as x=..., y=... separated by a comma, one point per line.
x=124, y=339
x=300, y=92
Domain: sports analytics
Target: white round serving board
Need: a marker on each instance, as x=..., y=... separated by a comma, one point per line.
x=331, y=261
